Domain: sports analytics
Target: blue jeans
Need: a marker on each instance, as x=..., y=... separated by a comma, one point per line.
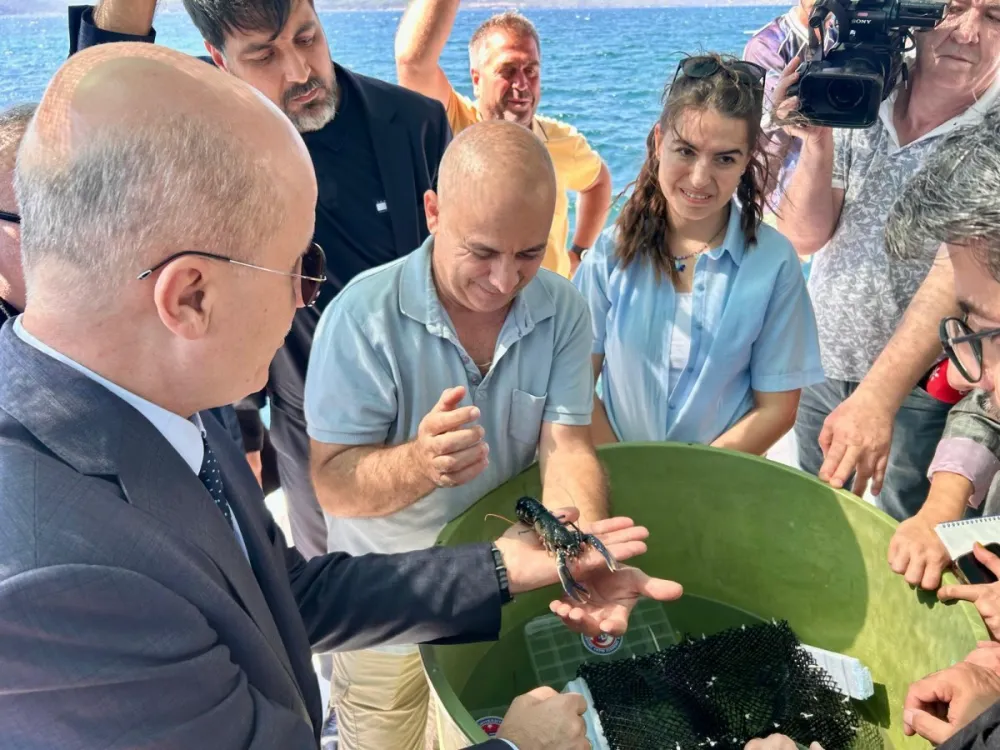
x=915, y=435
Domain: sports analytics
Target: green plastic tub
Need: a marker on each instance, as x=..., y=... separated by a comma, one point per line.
x=749, y=540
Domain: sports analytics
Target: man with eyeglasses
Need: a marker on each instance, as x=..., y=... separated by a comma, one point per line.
x=375, y=147
x=950, y=202
x=147, y=598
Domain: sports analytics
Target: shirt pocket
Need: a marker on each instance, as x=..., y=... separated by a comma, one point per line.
x=525, y=422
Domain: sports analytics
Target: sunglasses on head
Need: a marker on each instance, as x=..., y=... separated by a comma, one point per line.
x=8, y=216
x=312, y=265
x=706, y=66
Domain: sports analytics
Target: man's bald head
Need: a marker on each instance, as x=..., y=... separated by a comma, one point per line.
x=496, y=160
x=491, y=215
x=138, y=152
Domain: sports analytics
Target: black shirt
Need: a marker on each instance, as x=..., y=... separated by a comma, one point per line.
x=354, y=228
x=352, y=216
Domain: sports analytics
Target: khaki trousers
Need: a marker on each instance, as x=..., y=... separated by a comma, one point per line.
x=381, y=700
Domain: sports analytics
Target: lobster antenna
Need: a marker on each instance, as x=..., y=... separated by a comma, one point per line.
x=502, y=518
x=572, y=502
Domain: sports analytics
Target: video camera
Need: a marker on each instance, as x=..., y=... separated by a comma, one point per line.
x=845, y=86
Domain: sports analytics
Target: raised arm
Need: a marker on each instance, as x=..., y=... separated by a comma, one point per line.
x=420, y=40
x=133, y=17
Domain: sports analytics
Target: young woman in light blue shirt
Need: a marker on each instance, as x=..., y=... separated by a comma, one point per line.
x=703, y=328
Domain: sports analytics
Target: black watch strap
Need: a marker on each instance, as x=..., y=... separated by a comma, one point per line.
x=501, y=571
x=577, y=250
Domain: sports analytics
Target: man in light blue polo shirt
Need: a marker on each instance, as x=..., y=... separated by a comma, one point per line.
x=436, y=378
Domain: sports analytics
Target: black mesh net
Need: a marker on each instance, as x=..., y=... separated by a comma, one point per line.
x=721, y=691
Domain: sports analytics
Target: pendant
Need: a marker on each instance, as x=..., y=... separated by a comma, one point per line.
x=679, y=266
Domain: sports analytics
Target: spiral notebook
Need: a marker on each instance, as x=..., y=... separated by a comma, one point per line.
x=959, y=536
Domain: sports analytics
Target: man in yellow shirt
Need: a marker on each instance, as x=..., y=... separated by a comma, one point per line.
x=505, y=63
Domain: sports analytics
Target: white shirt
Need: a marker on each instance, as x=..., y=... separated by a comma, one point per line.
x=680, y=339
x=185, y=435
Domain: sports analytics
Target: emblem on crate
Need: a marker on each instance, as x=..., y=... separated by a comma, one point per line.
x=602, y=644
x=490, y=724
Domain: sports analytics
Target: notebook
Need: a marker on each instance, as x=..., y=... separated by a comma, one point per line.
x=959, y=536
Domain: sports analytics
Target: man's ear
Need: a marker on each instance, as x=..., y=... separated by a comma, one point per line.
x=184, y=299
x=217, y=57
x=431, y=211
x=474, y=72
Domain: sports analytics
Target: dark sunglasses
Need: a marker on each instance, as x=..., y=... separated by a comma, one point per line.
x=312, y=266
x=8, y=216
x=706, y=66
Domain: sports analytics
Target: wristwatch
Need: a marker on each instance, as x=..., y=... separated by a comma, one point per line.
x=580, y=251
x=501, y=571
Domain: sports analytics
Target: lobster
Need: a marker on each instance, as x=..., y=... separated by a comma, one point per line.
x=565, y=540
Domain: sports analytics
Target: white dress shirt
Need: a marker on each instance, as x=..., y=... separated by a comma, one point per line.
x=185, y=435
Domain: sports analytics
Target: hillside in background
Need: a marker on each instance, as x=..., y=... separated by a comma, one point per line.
x=19, y=7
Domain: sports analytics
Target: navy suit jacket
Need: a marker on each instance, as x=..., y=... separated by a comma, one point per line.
x=129, y=615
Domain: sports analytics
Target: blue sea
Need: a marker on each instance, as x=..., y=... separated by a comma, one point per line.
x=603, y=70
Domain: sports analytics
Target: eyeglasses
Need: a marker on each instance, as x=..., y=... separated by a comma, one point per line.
x=312, y=265
x=964, y=346
x=8, y=216
x=706, y=66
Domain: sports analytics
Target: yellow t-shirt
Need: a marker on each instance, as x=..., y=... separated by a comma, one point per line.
x=577, y=166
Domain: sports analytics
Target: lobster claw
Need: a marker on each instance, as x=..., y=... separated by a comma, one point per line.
x=570, y=586
x=594, y=542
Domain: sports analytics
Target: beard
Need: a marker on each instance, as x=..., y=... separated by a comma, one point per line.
x=316, y=114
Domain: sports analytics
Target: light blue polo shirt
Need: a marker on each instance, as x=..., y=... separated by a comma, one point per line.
x=385, y=349
x=753, y=328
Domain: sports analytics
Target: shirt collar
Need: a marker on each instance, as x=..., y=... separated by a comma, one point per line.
x=185, y=435
x=734, y=243
x=418, y=297
x=536, y=127
x=974, y=112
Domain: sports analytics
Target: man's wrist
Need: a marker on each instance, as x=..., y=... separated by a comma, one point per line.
x=515, y=577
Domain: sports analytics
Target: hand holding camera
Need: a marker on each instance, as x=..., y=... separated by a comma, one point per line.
x=844, y=85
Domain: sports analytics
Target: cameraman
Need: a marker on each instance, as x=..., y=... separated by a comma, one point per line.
x=837, y=201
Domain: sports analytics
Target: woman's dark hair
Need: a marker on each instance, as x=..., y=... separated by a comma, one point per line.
x=644, y=221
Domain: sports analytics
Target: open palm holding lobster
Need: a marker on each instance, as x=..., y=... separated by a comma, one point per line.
x=612, y=589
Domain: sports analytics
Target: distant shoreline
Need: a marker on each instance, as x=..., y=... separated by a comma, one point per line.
x=524, y=6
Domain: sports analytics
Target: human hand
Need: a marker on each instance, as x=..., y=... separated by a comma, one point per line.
x=613, y=595
x=449, y=449
x=917, y=553
x=986, y=596
x=940, y=705
x=987, y=656
x=546, y=720
x=256, y=466
x=855, y=439
x=786, y=109
x=777, y=742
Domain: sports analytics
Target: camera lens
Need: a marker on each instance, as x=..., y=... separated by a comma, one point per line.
x=845, y=94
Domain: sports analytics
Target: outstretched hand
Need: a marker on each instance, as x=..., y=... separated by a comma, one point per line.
x=612, y=598
x=613, y=595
